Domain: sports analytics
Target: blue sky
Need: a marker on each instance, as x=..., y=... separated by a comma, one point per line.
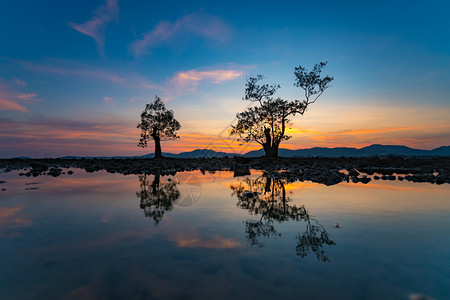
x=74, y=76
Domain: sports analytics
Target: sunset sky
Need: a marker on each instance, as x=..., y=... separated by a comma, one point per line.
x=75, y=75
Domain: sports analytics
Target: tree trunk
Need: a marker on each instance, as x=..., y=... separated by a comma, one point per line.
x=268, y=147
x=275, y=150
x=271, y=151
x=155, y=136
x=158, y=153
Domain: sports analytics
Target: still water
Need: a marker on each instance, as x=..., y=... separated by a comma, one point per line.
x=193, y=235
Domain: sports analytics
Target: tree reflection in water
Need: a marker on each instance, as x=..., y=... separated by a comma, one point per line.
x=158, y=197
x=266, y=196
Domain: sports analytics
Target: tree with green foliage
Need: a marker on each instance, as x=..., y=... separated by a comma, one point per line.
x=158, y=124
x=266, y=122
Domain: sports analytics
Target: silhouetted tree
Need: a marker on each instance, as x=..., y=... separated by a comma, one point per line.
x=158, y=197
x=158, y=124
x=266, y=123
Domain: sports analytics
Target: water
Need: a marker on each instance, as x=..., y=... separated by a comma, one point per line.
x=194, y=235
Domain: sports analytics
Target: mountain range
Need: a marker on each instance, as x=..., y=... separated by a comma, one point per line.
x=372, y=150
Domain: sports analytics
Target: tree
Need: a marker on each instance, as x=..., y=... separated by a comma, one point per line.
x=266, y=122
x=158, y=124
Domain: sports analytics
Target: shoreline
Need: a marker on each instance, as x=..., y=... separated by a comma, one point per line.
x=323, y=170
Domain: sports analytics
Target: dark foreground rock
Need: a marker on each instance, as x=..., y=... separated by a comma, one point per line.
x=328, y=171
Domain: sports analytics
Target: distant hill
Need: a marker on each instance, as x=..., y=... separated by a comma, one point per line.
x=372, y=150
x=197, y=153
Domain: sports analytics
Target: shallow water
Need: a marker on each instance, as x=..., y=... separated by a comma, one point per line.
x=193, y=235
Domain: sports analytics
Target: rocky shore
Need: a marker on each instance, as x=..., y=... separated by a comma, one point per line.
x=327, y=171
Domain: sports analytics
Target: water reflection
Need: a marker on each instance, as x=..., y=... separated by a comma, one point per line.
x=266, y=197
x=158, y=197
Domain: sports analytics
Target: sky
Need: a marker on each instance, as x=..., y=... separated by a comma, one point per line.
x=75, y=75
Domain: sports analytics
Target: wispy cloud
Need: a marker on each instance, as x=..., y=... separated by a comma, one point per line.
x=190, y=79
x=42, y=135
x=181, y=81
x=68, y=68
x=198, y=24
x=10, y=97
x=95, y=27
x=19, y=82
x=10, y=105
x=27, y=97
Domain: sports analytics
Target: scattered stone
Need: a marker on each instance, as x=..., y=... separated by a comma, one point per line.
x=55, y=172
x=353, y=172
x=365, y=179
x=38, y=167
x=248, y=194
x=241, y=172
x=317, y=169
x=439, y=180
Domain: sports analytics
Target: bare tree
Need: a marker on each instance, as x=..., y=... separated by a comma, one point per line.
x=266, y=122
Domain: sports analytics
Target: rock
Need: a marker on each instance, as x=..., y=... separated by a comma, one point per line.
x=353, y=172
x=365, y=179
x=328, y=178
x=55, y=172
x=248, y=194
x=239, y=171
x=38, y=167
x=440, y=179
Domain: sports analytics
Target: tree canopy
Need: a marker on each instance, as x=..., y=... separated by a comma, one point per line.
x=266, y=122
x=158, y=124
